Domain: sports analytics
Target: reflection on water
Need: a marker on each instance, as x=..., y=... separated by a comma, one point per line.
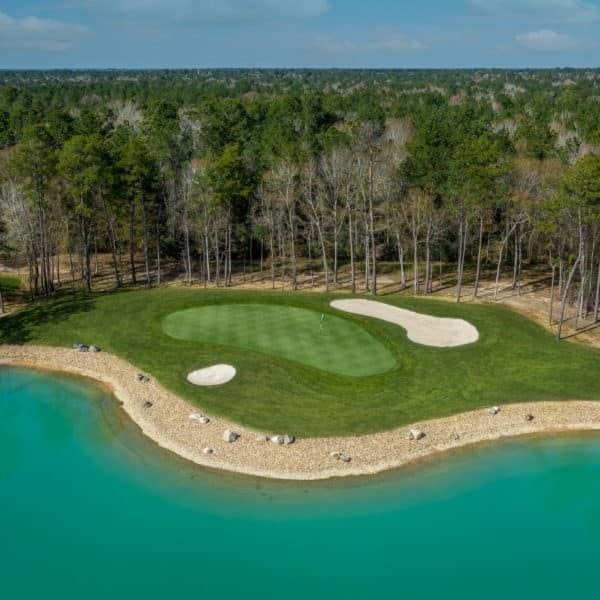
x=91, y=509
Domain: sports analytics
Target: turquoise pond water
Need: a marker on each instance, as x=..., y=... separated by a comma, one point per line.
x=90, y=509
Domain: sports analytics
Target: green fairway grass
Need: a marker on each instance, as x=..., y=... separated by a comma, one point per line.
x=332, y=344
x=515, y=360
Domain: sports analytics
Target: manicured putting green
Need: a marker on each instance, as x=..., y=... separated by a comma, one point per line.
x=336, y=345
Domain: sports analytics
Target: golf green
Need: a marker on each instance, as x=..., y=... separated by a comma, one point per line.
x=326, y=342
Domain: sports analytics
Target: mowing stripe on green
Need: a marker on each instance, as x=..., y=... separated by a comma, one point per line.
x=333, y=344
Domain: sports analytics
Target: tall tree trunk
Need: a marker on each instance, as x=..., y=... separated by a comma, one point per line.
x=282, y=256
x=372, y=231
x=292, y=225
x=427, y=264
x=262, y=255
x=208, y=277
x=188, y=256
x=229, y=251
x=479, y=250
x=70, y=254
x=207, y=255
x=32, y=289
x=132, y=243
x=500, y=256
x=400, y=250
x=367, y=264
x=416, y=274
x=158, y=239
x=272, y=252
x=570, y=280
x=597, y=299
x=85, y=251
x=551, y=307
x=96, y=263
x=42, y=250
x=217, y=257
x=462, y=249
x=146, y=257
x=225, y=248
x=564, y=298
x=324, y=257
x=515, y=260
x=351, y=244
x=335, y=243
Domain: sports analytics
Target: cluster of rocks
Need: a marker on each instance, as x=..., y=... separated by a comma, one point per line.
x=85, y=348
x=281, y=440
x=340, y=456
x=142, y=377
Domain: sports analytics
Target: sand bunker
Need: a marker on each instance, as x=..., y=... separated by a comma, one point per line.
x=215, y=375
x=421, y=329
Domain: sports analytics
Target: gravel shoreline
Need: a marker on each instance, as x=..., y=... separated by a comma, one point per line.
x=167, y=422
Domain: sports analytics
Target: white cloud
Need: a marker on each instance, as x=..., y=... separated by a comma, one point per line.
x=573, y=11
x=392, y=44
x=209, y=11
x=544, y=40
x=31, y=33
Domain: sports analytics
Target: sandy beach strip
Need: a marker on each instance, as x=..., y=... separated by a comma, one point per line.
x=167, y=422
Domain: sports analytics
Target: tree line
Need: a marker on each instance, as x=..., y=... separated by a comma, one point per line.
x=475, y=183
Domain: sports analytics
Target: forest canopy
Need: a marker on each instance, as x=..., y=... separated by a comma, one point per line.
x=483, y=170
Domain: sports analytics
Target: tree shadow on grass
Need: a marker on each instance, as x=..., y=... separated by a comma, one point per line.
x=20, y=327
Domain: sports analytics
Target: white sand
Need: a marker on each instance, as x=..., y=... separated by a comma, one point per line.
x=214, y=375
x=421, y=329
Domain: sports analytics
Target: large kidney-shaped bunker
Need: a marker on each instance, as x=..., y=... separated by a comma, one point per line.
x=324, y=341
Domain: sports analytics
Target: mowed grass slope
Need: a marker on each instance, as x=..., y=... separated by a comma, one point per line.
x=515, y=360
x=328, y=343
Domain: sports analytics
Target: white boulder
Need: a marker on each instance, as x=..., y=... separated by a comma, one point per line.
x=416, y=434
x=196, y=416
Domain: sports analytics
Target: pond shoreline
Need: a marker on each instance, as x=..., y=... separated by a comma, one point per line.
x=167, y=422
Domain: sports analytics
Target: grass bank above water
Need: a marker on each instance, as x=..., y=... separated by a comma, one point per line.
x=515, y=360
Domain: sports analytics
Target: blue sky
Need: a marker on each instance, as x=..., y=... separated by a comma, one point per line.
x=299, y=33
